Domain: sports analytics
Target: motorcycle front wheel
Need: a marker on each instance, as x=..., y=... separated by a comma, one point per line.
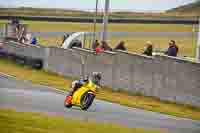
x=87, y=100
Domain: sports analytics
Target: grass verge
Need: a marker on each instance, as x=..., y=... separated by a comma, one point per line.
x=123, y=98
x=21, y=122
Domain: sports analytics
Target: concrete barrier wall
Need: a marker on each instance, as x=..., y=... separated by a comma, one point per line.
x=180, y=80
x=103, y=63
x=26, y=50
x=167, y=78
x=65, y=62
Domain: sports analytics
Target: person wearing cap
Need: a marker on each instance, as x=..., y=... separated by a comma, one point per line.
x=149, y=48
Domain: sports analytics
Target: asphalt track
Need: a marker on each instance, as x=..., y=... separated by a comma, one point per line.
x=24, y=96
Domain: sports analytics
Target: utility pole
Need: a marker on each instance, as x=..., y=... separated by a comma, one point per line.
x=95, y=20
x=105, y=20
x=198, y=44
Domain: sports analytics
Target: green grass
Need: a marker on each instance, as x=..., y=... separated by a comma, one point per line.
x=123, y=98
x=67, y=26
x=187, y=46
x=25, y=122
x=134, y=44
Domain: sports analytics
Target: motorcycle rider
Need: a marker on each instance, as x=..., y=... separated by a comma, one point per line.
x=95, y=78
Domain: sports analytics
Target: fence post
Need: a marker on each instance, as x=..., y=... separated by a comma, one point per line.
x=198, y=44
x=105, y=20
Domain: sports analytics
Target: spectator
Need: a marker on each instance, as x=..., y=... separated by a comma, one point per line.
x=3, y=52
x=121, y=46
x=28, y=38
x=95, y=45
x=99, y=50
x=149, y=48
x=173, y=49
x=105, y=46
x=15, y=21
x=22, y=39
x=34, y=41
x=17, y=32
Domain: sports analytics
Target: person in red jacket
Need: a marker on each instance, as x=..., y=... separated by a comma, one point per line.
x=99, y=50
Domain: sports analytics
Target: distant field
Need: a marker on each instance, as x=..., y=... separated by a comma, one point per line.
x=134, y=44
x=62, y=26
x=186, y=45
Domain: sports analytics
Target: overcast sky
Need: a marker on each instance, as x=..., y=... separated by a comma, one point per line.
x=140, y=5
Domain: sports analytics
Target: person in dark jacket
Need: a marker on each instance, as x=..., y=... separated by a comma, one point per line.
x=173, y=49
x=105, y=46
x=34, y=41
x=149, y=49
x=121, y=46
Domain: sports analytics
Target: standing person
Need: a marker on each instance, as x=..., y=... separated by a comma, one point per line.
x=121, y=46
x=105, y=46
x=172, y=49
x=34, y=40
x=149, y=48
x=95, y=44
x=98, y=50
x=174, y=44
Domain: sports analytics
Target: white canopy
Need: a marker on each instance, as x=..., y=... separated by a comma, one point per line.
x=75, y=36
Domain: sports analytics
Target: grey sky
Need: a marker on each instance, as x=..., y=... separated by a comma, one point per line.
x=140, y=5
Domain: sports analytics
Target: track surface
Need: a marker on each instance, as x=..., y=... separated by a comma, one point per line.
x=23, y=96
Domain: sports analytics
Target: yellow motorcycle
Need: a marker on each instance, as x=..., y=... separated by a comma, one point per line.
x=82, y=97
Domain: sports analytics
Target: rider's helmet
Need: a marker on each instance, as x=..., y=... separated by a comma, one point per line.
x=96, y=78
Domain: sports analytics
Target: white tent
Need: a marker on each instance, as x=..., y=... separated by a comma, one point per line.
x=75, y=36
